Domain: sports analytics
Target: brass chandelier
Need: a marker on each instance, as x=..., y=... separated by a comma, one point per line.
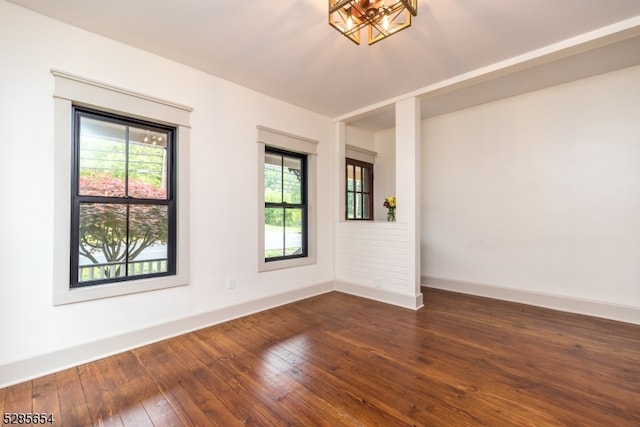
x=382, y=17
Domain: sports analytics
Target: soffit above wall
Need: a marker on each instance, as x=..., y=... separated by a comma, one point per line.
x=613, y=49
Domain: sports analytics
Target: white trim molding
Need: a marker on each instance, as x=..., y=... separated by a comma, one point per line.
x=71, y=90
x=82, y=90
x=412, y=302
x=357, y=153
x=588, y=307
x=287, y=141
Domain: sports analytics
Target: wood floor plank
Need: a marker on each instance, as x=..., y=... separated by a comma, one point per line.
x=211, y=372
x=222, y=393
x=254, y=394
x=73, y=405
x=45, y=397
x=3, y=393
x=124, y=396
x=18, y=398
x=340, y=360
x=185, y=393
x=296, y=347
x=351, y=403
x=275, y=390
x=364, y=368
x=102, y=407
x=140, y=382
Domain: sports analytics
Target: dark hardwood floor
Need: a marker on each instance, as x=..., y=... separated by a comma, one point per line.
x=339, y=360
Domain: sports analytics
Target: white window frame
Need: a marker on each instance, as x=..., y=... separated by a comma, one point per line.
x=72, y=90
x=285, y=141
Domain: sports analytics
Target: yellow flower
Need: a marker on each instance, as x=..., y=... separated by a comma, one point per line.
x=390, y=202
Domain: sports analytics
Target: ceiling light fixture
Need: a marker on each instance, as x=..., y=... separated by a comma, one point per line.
x=382, y=17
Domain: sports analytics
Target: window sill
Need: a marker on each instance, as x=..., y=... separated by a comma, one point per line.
x=285, y=263
x=70, y=296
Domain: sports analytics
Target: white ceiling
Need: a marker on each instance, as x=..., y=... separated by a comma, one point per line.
x=286, y=48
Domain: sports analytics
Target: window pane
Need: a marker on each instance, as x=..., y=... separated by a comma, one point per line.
x=365, y=206
x=148, y=225
x=350, y=204
x=350, y=173
x=292, y=179
x=293, y=232
x=104, y=247
x=365, y=180
x=358, y=205
x=273, y=232
x=102, y=241
x=101, y=158
x=273, y=178
x=147, y=163
x=358, y=178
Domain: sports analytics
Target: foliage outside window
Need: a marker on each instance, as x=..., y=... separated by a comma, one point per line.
x=285, y=208
x=123, y=200
x=359, y=192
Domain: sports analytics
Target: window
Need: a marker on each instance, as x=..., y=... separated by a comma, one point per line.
x=286, y=199
x=359, y=192
x=123, y=209
x=285, y=205
x=80, y=177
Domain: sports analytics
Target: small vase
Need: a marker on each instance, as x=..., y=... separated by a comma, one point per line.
x=391, y=214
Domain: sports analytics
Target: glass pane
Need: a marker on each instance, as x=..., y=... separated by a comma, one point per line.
x=293, y=232
x=365, y=180
x=358, y=178
x=273, y=232
x=103, y=249
x=102, y=158
x=102, y=241
x=147, y=163
x=148, y=230
x=272, y=178
x=292, y=176
x=365, y=206
x=350, y=173
x=350, y=204
x=358, y=205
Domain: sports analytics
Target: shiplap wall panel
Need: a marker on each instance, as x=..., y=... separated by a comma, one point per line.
x=373, y=254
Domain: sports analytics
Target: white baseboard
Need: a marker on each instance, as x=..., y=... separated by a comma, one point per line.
x=605, y=310
x=23, y=370
x=413, y=302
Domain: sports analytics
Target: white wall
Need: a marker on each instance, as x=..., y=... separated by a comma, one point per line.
x=538, y=193
x=223, y=189
x=385, y=171
x=359, y=137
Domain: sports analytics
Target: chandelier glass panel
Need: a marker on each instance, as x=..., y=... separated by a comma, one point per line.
x=381, y=17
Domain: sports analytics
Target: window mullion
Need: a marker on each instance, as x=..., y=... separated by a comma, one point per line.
x=126, y=162
x=126, y=240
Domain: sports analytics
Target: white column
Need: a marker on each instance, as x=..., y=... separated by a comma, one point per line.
x=340, y=141
x=408, y=184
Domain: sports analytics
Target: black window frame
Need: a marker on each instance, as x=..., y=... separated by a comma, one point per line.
x=303, y=205
x=364, y=165
x=76, y=199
